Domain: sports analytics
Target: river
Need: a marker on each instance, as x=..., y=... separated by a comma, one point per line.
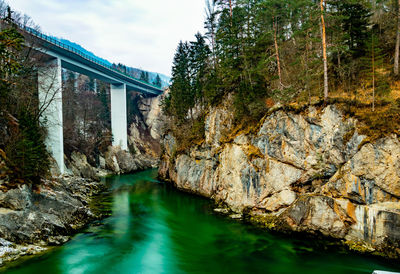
x=153, y=228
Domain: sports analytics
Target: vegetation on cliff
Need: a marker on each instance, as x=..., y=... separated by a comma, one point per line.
x=293, y=52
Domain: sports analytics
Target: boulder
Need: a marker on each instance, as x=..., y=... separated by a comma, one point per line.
x=80, y=166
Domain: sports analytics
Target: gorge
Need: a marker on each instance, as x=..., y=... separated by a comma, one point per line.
x=273, y=148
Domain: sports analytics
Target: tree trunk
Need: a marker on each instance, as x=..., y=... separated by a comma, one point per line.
x=278, y=62
x=397, y=50
x=373, y=75
x=324, y=52
x=306, y=67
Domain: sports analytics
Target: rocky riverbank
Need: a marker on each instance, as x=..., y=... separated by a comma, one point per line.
x=33, y=219
x=310, y=171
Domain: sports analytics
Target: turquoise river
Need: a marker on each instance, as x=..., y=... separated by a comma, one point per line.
x=153, y=228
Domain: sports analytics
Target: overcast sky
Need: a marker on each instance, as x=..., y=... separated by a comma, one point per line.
x=137, y=33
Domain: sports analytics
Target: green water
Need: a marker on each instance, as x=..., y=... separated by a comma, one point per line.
x=155, y=229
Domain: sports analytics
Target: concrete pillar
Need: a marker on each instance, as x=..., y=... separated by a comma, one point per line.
x=95, y=85
x=50, y=103
x=76, y=76
x=119, y=127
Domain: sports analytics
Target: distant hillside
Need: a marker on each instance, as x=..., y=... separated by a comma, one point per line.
x=135, y=72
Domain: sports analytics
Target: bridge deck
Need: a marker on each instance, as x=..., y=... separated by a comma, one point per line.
x=78, y=61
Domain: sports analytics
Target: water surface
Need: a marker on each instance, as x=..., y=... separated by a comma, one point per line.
x=154, y=228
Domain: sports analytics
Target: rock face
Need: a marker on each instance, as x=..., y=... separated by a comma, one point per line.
x=153, y=117
x=31, y=220
x=308, y=172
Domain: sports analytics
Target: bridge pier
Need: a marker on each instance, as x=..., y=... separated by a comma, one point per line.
x=76, y=76
x=119, y=124
x=50, y=104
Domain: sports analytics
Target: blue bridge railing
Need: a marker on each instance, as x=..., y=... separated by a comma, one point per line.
x=64, y=46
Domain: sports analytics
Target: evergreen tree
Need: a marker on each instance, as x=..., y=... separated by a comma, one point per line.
x=198, y=63
x=144, y=76
x=180, y=91
x=22, y=137
x=28, y=156
x=279, y=50
x=157, y=81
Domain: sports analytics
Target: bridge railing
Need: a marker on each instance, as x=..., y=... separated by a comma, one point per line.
x=82, y=54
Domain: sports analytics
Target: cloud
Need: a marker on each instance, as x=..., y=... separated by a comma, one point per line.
x=138, y=33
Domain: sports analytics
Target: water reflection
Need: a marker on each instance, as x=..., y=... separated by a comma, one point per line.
x=155, y=229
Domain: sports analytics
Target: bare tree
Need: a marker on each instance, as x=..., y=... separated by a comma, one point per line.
x=278, y=62
x=397, y=49
x=210, y=24
x=323, y=34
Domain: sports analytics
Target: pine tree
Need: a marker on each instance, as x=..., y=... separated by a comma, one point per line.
x=198, y=63
x=142, y=76
x=182, y=99
x=157, y=81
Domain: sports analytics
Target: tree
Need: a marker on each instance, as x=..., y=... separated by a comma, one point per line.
x=198, y=62
x=182, y=100
x=157, y=81
x=397, y=48
x=273, y=50
x=144, y=76
x=325, y=58
x=22, y=136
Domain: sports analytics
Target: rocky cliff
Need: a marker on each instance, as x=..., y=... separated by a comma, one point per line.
x=309, y=171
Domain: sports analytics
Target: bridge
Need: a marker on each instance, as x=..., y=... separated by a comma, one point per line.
x=59, y=55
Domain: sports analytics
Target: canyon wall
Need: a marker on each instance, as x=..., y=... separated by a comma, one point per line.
x=311, y=172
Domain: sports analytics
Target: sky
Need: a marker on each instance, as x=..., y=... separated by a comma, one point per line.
x=138, y=33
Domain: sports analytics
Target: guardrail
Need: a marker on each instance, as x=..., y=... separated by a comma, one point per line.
x=64, y=46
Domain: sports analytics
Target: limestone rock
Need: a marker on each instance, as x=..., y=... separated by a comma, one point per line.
x=371, y=176
x=311, y=171
x=318, y=214
x=153, y=116
x=218, y=123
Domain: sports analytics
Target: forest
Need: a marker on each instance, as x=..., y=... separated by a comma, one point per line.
x=292, y=52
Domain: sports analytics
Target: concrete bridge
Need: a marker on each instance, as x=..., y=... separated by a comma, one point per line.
x=57, y=56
